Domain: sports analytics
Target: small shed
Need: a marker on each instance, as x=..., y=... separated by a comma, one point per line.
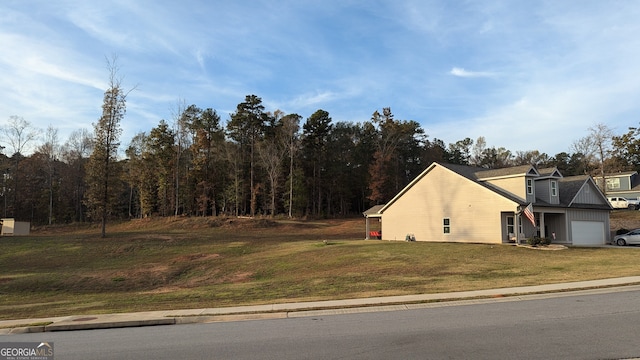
x=10, y=227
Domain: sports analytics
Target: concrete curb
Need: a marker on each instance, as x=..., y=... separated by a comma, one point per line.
x=285, y=310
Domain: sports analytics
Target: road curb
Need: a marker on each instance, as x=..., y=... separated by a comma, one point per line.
x=287, y=310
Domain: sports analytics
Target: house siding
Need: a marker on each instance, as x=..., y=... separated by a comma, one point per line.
x=474, y=211
x=589, y=194
x=514, y=185
x=543, y=190
x=625, y=183
x=554, y=223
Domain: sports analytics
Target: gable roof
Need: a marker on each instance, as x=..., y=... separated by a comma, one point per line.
x=570, y=187
x=468, y=172
x=550, y=172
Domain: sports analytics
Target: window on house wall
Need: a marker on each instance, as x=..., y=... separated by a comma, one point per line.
x=446, y=225
x=520, y=230
x=529, y=186
x=554, y=188
x=511, y=227
x=613, y=184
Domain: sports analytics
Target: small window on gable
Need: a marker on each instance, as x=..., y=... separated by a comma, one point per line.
x=554, y=188
x=529, y=186
x=446, y=225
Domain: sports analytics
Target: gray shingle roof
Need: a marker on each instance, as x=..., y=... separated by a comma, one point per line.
x=373, y=210
x=568, y=187
x=548, y=171
x=515, y=170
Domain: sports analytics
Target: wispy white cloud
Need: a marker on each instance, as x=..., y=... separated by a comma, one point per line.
x=557, y=65
x=460, y=72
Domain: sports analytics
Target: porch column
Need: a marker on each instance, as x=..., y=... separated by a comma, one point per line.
x=366, y=219
x=516, y=219
x=542, y=232
x=516, y=230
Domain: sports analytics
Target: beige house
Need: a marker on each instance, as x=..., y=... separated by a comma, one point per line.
x=457, y=203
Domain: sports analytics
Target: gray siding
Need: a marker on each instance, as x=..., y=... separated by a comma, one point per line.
x=589, y=194
x=542, y=190
x=625, y=182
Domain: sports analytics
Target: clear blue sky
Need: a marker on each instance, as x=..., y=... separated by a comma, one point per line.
x=524, y=74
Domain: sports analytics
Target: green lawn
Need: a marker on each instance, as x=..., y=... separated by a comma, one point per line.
x=194, y=263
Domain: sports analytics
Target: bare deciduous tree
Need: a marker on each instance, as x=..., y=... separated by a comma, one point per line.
x=18, y=134
x=107, y=130
x=602, y=137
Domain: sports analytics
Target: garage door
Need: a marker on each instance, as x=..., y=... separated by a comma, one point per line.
x=587, y=232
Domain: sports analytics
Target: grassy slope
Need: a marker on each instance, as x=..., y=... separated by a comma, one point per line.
x=192, y=263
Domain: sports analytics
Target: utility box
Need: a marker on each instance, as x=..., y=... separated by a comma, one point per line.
x=10, y=227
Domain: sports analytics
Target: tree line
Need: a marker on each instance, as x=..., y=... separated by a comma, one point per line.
x=258, y=162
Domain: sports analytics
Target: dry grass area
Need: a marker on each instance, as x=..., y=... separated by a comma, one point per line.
x=625, y=219
x=155, y=264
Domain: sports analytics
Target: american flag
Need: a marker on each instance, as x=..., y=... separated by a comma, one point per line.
x=528, y=212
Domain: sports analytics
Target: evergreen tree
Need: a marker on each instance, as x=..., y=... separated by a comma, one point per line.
x=246, y=128
x=315, y=142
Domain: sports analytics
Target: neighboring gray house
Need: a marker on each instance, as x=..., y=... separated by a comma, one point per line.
x=623, y=184
x=457, y=203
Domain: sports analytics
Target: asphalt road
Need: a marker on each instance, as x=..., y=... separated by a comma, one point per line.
x=561, y=326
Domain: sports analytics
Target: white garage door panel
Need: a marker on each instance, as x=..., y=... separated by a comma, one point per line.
x=587, y=232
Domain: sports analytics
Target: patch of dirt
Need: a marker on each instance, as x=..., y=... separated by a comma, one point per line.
x=244, y=223
x=194, y=257
x=240, y=277
x=545, y=247
x=625, y=219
